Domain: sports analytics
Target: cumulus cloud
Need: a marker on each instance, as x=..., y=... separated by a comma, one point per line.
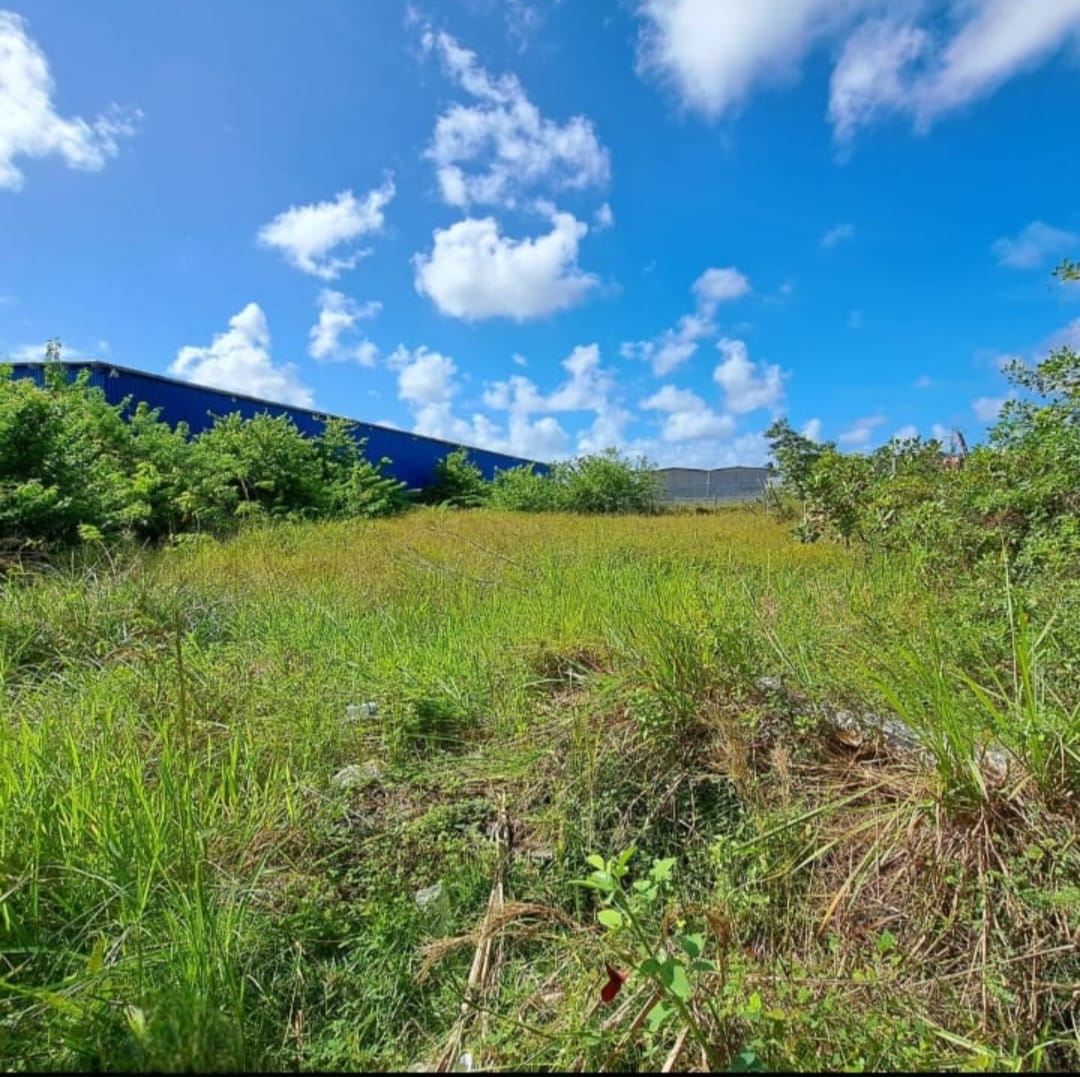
x=859, y=433
x=474, y=271
x=923, y=382
x=239, y=360
x=307, y=235
x=428, y=383
x=1033, y=245
x=714, y=52
x=837, y=234
x=674, y=346
x=812, y=429
x=30, y=125
x=904, y=57
x=686, y=417
x=338, y=318
x=906, y=433
x=424, y=376
x=747, y=385
x=492, y=151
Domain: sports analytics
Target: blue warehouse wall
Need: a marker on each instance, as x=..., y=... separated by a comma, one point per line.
x=412, y=457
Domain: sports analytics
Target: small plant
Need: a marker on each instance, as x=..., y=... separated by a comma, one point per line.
x=634, y=918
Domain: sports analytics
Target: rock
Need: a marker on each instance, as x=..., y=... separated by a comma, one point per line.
x=429, y=895
x=357, y=774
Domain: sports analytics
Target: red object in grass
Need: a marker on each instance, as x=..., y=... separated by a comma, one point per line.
x=614, y=985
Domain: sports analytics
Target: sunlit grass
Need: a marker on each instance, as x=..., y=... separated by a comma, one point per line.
x=182, y=885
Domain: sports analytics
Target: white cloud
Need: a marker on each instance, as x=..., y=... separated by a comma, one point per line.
x=812, y=429
x=987, y=408
x=942, y=433
x=306, y=235
x=605, y=431
x=674, y=346
x=747, y=450
x=587, y=388
x=239, y=360
x=1066, y=337
x=603, y=218
x=519, y=360
x=906, y=433
x=858, y=434
x=714, y=52
x=837, y=234
x=923, y=382
x=716, y=286
x=492, y=151
x=1033, y=245
x=29, y=124
x=35, y=353
x=906, y=57
x=747, y=385
x=871, y=77
x=893, y=65
x=475, y=272
x=687, y=417
x=424, y=376
x=338, y=315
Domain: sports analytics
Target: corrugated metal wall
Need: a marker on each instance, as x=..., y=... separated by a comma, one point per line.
x=412, y=457
x=719, y=484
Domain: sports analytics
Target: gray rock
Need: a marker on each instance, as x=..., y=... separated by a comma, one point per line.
x=356, y=775
x=429, y=895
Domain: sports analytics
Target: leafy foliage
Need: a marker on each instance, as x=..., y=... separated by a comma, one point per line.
x=459, y=483
x=1019, y=494
x=72, y=465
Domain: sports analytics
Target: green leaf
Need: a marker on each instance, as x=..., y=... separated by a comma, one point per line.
x=673, y=976
x=691, y=944
x=650, y=967
x=96, y=961
x=661, y=869
x=746, y=1061
x=702, y=965
x=610, y=918
x=658, y=1015
x=597, y=862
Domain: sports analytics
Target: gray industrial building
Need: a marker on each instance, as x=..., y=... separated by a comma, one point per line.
x=694, y=484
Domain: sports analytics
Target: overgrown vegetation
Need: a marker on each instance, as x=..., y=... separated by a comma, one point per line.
x=509, y=790
x=215, y=853
x=73, y=467
x=1017, y=496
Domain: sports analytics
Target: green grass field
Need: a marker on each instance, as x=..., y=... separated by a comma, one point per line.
x=190, y=879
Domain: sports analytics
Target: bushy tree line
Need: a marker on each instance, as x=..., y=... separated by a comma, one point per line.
x=74, y=466
x=600, y=483
x=1019, y=493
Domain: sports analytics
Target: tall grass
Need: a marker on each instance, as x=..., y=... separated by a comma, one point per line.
x=183, y=885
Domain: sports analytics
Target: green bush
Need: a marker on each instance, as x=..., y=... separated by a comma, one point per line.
x=1018, y=495
x=73, y=466
x=524, y=489
x=458, y=483
x=607, y=482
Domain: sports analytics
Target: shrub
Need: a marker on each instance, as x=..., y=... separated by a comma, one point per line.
x=606, y=483
x=458, y=483
x=524, y=489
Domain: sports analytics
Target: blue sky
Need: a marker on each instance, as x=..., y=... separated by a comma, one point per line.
x=544, y=226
